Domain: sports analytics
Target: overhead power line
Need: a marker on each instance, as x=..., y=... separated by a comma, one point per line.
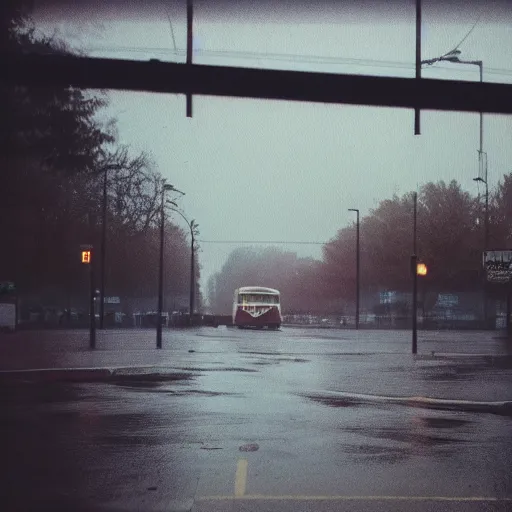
x=281, y=242
x=282, y=57
x=172, y=32
x=470, y=30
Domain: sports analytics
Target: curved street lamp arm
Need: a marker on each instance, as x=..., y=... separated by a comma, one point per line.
x=189, y=224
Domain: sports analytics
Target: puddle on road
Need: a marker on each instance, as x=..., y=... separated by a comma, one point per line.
x=292, y=359
x=150, y=377
x=357, y=354
x=499, y=362
x=226, y=369
x=199, y=392
x=150, y=382
x=250, y=447
x=452, y=373
x=336, y=401
x=466, y=369
x=278, y=360
x=161, y=388
x=376, y=453
x=146, y=384
x=444, y=422
x=404, y=436
x=260, y=353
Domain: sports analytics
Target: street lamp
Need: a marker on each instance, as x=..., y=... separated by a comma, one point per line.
x=357, y=266
x=453, y=57
x=485, y=182
x=104, y=241
x=165, y=188
x=193, y=233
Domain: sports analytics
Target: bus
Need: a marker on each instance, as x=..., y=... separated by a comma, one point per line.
x=256, y=307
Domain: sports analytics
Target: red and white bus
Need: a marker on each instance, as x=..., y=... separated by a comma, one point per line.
x=257, y=306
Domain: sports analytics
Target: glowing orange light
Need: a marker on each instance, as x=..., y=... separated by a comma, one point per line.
x=86, y=256
x=421, y=269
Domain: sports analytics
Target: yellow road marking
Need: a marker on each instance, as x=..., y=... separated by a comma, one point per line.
x=240, y=478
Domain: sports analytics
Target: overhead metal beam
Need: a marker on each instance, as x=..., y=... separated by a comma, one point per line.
x=166, y=77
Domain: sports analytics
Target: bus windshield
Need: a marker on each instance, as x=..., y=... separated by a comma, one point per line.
x=246, y=298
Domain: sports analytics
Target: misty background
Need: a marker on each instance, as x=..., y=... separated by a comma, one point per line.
x=287, y=172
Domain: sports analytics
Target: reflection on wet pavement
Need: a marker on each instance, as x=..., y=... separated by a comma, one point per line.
x=310, y=420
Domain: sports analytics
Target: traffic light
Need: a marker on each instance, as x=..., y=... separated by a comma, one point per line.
x=421, y=269
x=86, y=257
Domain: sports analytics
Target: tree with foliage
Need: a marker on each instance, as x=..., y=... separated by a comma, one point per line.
x=449, y=237
x=54, y=153
x=447, y=241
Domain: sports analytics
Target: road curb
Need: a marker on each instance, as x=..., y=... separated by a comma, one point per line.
x=122, y=374
x=502, y=408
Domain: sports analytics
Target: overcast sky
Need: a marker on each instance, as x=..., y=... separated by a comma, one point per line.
x=283, y=171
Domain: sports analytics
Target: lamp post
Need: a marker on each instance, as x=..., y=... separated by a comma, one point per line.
x=357, y=265
x=453, y=57
x=193, y=233
x=103, y=249
x=165, y=188
x=109, y=167
x=485, y=182
x=414, y=267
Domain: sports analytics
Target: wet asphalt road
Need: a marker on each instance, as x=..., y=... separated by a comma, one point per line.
x=267, y=421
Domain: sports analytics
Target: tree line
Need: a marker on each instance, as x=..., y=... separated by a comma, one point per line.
x=450, y=241
x=55, y=152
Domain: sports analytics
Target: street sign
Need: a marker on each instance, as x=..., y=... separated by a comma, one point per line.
x=498, y=266
x=112, y=300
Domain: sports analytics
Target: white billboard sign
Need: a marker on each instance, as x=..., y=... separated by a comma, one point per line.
x=498, y=266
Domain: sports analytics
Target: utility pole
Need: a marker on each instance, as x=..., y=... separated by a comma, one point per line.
x=92, y=327
x=358, y=258
x=103, y=250
x=453, y=56
x=161, y=274
x=414, y=266
x=165, y=188
x=482, y=171
x=417, y=130
x=192, y=274
x=87, y=259
x=193, y=232
x=190, y=42
x=508, y=321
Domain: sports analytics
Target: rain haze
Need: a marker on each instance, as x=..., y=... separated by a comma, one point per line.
x=285, y=171
x=334, y=329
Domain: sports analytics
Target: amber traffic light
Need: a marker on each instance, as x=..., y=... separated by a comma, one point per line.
x=421, y=269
